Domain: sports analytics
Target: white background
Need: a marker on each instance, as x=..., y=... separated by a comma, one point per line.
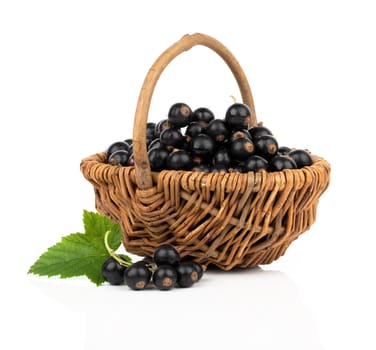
x=70, y=74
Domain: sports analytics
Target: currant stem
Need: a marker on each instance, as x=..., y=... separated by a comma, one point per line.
x=233, y=98
x=112, y=253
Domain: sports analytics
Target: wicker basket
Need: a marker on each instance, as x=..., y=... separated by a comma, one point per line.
x=223, y=219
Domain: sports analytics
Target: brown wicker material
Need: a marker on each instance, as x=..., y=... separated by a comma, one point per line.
x=225, y=219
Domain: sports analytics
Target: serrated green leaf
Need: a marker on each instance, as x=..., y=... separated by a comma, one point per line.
x=80, y=254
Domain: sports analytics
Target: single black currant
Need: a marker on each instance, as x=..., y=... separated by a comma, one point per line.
x=203, y=145
x=256, y=163
x=158, y=158
x=193, y=129
x=238, y=115
x=222, y=156
x=172, y=138
x=198, y=269
x=165, y=277
x=179, y=115
x=280, y=162
x=258, y=131
x=166, y=254
x=160, y=126
x=113, y=271
x=284, y=150
x=266, y=146
x=117, y=146
x=150, y=132
x=130, y=160
x=137, y=276
x=179, y=159
x=156, y=143
x=218, y=130
x=129, y=141
x=241, y=149
x=120, y=157
x=240, y=133
x=301, y=157
x=203, y=115
x=186, y=275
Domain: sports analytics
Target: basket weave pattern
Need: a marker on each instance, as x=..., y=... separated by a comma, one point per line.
x=225, y=219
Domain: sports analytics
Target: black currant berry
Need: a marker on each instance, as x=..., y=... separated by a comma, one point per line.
x=266, y=146
x=187, y=275
x=203, y=145
x=180, y=115
x=238, y=115
x=241, y=149
x=160, y=126
x=280, y=162
x=120, y=157
x=130, y=160
x=113, y=271
x=222, y=156
x=241, y=133
x=137, y=276
x=301, y=157
x=166, y=254
x=117, y=146
x=217, y=129
x=198, y=269
x=258, y=131
x=194, y=129
x=256, y=163
x=179, y=159
x=165, y=277
x=203, y=115
x=172, y=138
x=150, y=132
x=158, y=158
x=284, y=150
x=129, y=141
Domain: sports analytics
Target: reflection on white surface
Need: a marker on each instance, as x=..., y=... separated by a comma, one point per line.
x=248, y=308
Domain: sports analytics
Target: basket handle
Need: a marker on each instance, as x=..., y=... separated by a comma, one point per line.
x=142, y=165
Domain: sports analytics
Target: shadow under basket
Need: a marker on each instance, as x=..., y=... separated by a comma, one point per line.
x=224, y=219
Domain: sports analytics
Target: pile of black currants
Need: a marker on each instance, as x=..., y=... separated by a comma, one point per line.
x=164, y=270
x=197, y=141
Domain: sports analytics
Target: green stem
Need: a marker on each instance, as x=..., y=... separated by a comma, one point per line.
x=112, y=253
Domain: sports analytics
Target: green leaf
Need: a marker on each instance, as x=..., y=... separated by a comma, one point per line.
x=80, y=254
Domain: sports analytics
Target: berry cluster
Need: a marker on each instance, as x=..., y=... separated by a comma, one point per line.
x=197, y=141
x=164, y=270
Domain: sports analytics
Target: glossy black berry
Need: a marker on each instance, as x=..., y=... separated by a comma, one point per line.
x=187, y=275
x=222, y=156
x=241, y=133
x=160, y=126
x=165, y=277
x=256, y=163
x=172, y=138
x=180, y=115
x=258, y=131
x=179, y=160
x=203, y=145
x=266, y=146
x=198, y=269
x=241, y=149
x=203, y=115
x=238, y=116
x=129, y=141
x=117, y=146
x=280, y=162
x=194, y=129
x=301, y=157
x=120, y=157
x=156, y=143
x=113, y=271
x=218, y=130
x=284, y=150
x=150, y=132
x=166, y=255
x=130, y=160
x=158, y=158
x=137, y=276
